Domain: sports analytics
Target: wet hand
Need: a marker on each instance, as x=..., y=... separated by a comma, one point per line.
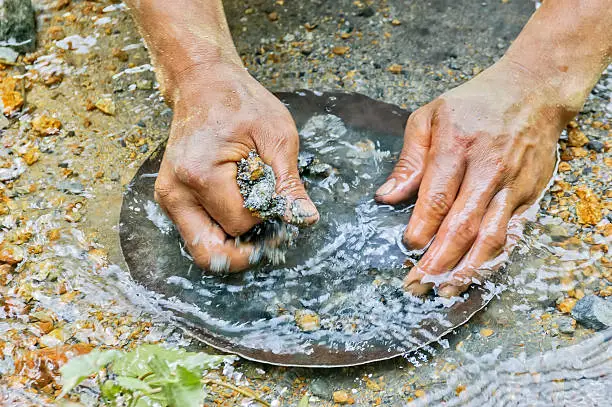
x=479, y=156
x=220, y=114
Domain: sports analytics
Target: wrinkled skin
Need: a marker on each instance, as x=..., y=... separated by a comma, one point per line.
x=220, y=114
x=478, y=155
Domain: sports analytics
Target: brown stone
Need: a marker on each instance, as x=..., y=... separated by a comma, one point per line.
x=42, y=365
x=588, y=208
x=576, y=138
x=46, y=126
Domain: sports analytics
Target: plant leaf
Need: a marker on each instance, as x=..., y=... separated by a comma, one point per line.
x=304, y=401
x=81, y=367
x=137, y=362
x=187, y=391
x=133, y=384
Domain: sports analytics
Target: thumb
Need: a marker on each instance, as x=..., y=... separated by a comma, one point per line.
x=406, y=177
x=300, y=210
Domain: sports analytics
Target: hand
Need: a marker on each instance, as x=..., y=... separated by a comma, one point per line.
x=220, y=114
x=479, y=155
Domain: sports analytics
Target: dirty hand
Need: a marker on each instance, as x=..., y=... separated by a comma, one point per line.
x=478, y=155
x=220, y=114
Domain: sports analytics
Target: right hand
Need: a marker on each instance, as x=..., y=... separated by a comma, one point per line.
x=220, y=114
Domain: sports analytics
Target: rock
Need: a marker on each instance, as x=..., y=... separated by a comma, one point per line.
x=4, y=122
x=106, y=106
x=566, y=325
x=589, y=208
x=17, y=25
x=10, y=254
x=7, y=54
x=557, y=231
x=42, y=365
x=366, y=12
x=596, y=145
x=593, y=312
x=75, y=188
x=320, y=387
x=342, y=397
x=576, y=138
x=307, y=320
x=257, y=184
x=46, y=126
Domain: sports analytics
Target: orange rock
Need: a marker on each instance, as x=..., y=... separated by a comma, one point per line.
x=564, y=167
x=340, y=50
x=566, y=305
x=395, y=68
x=576, y=138
x=343, y=397
x=12, y=102
x=486, y=332
x=588, y=208
x=31, y=156
x=11, y=255
x=42, y=365
x=46, y=126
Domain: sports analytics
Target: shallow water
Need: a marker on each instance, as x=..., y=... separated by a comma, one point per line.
x=337, y=299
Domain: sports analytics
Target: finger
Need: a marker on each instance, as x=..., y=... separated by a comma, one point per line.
x=488, y=245
x=413, y=284
x=460, y=227
x=281, y=153
x=408, y=172
x=221, y=199
x=443, y=175
x=205, y=240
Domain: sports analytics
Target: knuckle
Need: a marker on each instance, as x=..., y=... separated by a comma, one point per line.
x=191, y=175
x=466, y=230
x=438, y=204
x=289, y=183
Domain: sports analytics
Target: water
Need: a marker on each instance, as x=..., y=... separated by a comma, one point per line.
x=338, y=297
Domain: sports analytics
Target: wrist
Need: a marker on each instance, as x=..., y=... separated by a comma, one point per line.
x=199, y=67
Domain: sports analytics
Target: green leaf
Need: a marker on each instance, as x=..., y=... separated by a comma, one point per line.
x=110, y=389
x=304, y=401
x=133, y=384
x=186, y=391
x=81, y=367
x=137, y=362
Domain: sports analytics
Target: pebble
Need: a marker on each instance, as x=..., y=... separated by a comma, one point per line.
x=343, y=397
x=593, y=312
x=320, y=387
x=72, y=187
x=596, y=145
x=106, y=106
x=4, y=122
x=566, y=325
x=366, y=12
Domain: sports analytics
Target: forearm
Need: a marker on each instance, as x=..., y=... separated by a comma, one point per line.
x=183, y=35
x=566, y=44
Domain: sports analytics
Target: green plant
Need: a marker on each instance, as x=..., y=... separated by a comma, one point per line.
x=148, y=376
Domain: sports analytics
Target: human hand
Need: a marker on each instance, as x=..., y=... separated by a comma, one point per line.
x=220, y=114
x=478, y=155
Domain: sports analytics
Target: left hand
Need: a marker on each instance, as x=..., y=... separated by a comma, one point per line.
x=478, y=155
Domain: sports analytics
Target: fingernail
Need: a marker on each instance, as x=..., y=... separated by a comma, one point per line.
x=449, y=291
x=416, y=288
x=302, y=212
x=387, y=187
